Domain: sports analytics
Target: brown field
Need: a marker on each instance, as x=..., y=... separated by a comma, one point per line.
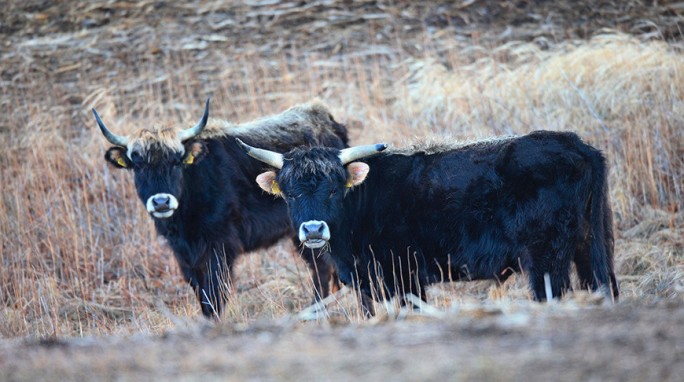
x=80, y=258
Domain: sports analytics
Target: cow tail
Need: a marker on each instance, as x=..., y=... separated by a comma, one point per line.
x=602, y=241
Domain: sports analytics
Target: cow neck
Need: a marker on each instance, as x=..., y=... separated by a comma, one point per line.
x=376, y=197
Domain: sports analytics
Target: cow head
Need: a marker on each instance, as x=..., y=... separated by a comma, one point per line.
x=157, y=157
x=313, y=181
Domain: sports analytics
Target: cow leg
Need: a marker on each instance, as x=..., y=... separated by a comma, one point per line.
x=195, y=277
x=367, y=305
x=594, y=258
x=610, y=248
x=215, y=284
x=335, y=284
x=585, y=274
x=590, y=278
x=363, y=296
x=189, y=275
x=197, y=280
x=591, y=267
x=553, y=262
x=322, y=273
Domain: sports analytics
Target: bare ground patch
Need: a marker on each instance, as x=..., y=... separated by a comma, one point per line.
x=565, y=342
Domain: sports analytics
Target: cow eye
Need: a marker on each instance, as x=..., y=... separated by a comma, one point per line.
x=333, y=192
x=291, y=196
x=136, y=157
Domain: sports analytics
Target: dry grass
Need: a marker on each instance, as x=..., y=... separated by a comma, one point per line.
x=79, y=256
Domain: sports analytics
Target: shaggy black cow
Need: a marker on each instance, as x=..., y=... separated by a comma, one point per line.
x=198, y=186
x=479, y=211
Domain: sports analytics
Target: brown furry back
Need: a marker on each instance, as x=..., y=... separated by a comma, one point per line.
x=306, y=124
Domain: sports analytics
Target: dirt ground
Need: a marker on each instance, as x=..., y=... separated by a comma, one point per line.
x=565, y=342
x=580, y=338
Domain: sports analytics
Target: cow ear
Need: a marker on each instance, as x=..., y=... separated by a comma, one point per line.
x=194, y=152
x=356, y=173
x=116, y=156
x=267, y=182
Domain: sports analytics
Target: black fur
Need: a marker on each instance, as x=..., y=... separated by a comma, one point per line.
x=481, y=211
x=222, y=213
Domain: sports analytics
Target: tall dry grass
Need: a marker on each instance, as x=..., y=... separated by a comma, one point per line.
x=80, y=256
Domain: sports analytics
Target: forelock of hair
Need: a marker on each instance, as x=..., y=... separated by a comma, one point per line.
x=313, y=162
x=162, y=137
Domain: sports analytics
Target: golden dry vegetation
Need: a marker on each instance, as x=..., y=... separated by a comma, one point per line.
x=80, y=257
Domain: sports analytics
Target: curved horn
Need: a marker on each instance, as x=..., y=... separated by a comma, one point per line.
x=195, y=130
x=114, y=139
x=358, y=152
x=269, y=157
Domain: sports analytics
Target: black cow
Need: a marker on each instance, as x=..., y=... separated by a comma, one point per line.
x=198, y=186
x=478, y=211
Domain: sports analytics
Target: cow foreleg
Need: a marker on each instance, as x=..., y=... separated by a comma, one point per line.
x=367, y=305
x=215, y=285
x=322, y=273
x=195, y=277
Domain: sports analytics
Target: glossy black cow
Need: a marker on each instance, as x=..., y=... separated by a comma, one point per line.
x=402, y=219
x=199, y=187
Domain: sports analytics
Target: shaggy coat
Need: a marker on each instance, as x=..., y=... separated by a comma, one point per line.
x=213, y=211
x=479, y=211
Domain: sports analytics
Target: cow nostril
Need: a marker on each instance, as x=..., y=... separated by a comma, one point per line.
x=313, y=227
x=161, y=201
